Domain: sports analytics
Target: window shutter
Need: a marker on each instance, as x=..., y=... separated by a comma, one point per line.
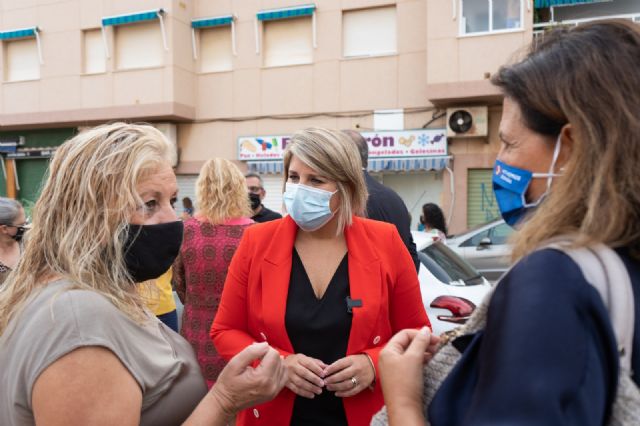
x=481, y=203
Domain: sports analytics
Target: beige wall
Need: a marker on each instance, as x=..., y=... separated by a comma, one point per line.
x=433, y=67
x=63, y=89
x=453, y=58
x=458, y=68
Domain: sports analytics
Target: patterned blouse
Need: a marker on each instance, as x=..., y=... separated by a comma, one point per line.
x=199, y=274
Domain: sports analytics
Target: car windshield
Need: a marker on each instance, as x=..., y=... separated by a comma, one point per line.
x=447, y=266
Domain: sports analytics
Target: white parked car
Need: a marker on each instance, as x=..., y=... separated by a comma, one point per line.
x=451, y=288
x=486, y=247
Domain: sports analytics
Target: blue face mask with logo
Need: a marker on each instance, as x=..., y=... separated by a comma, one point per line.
x=510, y=186
x=307, y=206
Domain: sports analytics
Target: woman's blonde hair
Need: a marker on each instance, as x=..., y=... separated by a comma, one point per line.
x=587, y=77
x=80, y=222
x=221, y=191
x=335, y=156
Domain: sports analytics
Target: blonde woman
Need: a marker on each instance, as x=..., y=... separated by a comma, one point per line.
x=77, y=346
x=211, y=238
x=324, y=286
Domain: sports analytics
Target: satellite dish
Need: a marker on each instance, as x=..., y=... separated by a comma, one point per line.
x=460, y=121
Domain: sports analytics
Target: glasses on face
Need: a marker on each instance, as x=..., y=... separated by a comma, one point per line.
x=254, y=189
x=21, y=228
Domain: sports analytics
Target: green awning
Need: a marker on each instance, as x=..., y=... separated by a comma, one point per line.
x=19, y=33
x=217, y=21
x=286, y=12
x=553, y=3
x=132, y=18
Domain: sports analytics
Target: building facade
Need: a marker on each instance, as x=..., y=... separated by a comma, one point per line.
x=235, y=79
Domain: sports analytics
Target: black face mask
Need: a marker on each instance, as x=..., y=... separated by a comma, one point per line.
x=255, y=200
x=151, y=249
x=19, y=233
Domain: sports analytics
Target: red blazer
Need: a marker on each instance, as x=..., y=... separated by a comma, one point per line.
x=381, y=274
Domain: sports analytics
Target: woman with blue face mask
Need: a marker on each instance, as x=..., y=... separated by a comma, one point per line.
x=324, y=286
x=548, y=347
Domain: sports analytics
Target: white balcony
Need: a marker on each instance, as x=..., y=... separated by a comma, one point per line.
x=541, y=28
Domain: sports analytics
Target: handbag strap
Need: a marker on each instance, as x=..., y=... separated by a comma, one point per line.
x=603, y=268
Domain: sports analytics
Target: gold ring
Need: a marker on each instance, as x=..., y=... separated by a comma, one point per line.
x=354, y=381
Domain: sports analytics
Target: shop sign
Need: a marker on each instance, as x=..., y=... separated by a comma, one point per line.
x=392, y=144
x=32, y=153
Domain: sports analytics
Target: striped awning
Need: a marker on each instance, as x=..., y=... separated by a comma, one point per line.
x=18, y=33
x=216, y=21
x=553, y=3
x=408, y=164
x=375, y=165
x=286, y=12
x=131, y=18
x=266, y=167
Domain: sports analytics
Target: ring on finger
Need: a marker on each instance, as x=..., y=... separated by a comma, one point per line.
x=354, y=382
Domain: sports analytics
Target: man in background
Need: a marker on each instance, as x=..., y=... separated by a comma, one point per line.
x=255, y=187
x=384, y=203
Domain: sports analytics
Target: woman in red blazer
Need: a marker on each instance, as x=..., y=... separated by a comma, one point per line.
x=323, y=286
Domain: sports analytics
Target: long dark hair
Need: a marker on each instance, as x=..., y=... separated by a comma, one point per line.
x=433, y=217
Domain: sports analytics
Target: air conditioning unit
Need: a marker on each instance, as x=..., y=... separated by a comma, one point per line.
x=467, y=122
x=171, y=132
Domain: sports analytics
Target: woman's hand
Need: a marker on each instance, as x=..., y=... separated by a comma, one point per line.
x=304, y=375
x=401, y=363
x=240, y=386
x=350, y=375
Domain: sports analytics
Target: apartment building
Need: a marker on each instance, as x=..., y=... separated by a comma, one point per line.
x=235, y=79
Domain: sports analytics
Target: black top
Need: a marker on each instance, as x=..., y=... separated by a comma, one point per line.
x=265, y=215
x=547, y=356
x=385, y=205
x=318, y=328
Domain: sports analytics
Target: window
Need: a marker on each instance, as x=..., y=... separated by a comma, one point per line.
x=138, y=45
x=369, y=32
x=475, y=240
x=288, y=42
x=501, y=233
x=21, y=61
x=447, y=266
x=480, y=16
x=94, y=54
x=215, y=49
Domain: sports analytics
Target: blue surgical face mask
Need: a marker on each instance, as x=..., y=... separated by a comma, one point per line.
x=510, y=186
x=308, y=207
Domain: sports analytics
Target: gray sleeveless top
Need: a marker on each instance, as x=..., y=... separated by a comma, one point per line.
x=58, y=320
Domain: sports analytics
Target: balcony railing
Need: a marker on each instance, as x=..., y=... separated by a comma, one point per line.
x=540, y=29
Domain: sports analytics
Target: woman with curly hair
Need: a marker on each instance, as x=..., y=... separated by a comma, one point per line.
x=210, y=240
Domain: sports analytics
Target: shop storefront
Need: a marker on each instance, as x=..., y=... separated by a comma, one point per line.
x=409, y=161
x=25, y=161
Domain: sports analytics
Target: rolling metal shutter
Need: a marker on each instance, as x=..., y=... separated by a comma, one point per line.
x=273, y=187
x=481, y=203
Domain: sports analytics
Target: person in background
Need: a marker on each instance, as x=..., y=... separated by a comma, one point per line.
x=77, y=345
x=255, y=187
x=187, y=209
x=567, y=169
x=384, y=203
x=13, y=225
x=210, y=240
x=324, y=286
x=158, y=295
x=433, y=221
